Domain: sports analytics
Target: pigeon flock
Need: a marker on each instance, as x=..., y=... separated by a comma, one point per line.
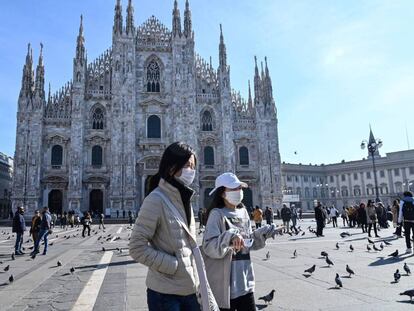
x=372, y=247
x=104, y=238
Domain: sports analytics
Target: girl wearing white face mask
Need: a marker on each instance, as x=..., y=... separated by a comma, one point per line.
x=164, y=233
x=227, y=241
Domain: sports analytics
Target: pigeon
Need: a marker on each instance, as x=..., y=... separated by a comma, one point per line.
x=337, y=245
x=349, y=270
x=395, y=254
x=368, y=248
x=376, y=248
x=6, y=268
x=59, y=263
x=33, y=256
x=351, y=248
x=328, y=261
x=103, y=249
x=407, y=269
x=387, y=243
x=311, y=269
x=72, y=270
x=303, y=233
x=381, y=246
x=409, y=293
x=13, y=257
x=324, y=254
x=51, y=244
x=295, y=253
x=269, y=297
x=11, y=278
x=397, y=276
x=370, y=241
x=344, y=234
x=268, y=255
x=338, y=281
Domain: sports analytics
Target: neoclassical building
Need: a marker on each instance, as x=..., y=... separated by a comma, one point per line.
x=96, y=142
x=345, y=183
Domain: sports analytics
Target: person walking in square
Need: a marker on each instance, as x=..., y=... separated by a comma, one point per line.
x=101, y=221
x=286, y=214
x=320, y=217
x=45, y=229
x=35, y=227
x=86, y=222
x=227, y=242
x=258, y=217
x=395, y=209
x=19, y=227
x=406, y=217
x=268, y=215
x=334, y=215
x=164, y=233
x=372, y=218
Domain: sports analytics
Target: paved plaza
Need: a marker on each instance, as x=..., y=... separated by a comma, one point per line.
x=110, y=280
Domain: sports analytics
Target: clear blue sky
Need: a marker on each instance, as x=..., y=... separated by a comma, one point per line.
x=336, y=65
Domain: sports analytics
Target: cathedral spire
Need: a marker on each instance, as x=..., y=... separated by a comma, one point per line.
x=257, y=82
x=117, y=29
x=80, y=44
x=27, y=77
x=250, y=101
x=187, y=21
x=176, y=20
x=130, y=28
x=40, y=76
x=268, y=82
x=222, y=50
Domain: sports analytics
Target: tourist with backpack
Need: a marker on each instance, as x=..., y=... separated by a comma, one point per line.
x=406, y=218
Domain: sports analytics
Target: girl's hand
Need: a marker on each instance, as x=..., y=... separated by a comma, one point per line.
x=237, y=243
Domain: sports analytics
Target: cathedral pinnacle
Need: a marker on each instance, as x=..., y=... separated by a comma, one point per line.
x=27, y=77
x=222, y=50
x=40, y=75
x=187, y=21
x=80, y=43
x=130, y=28
x=117, y=29
x=176, y=20
x=250, y=101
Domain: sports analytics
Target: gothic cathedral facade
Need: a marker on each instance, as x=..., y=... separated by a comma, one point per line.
x=95, y=143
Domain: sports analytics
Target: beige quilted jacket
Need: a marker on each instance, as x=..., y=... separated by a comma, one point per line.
x=161, y=244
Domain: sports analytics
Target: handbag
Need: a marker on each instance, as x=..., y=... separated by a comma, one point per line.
x=208, y=302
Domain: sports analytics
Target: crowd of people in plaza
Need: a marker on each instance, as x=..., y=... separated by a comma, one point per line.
x=43, y=222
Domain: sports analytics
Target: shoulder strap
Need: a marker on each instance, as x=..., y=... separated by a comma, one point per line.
x=174, y=211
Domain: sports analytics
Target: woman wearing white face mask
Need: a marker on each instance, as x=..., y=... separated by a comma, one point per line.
x=164, y=234
x=227, y=241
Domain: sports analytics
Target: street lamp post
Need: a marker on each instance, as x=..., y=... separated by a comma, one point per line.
x=373, y=145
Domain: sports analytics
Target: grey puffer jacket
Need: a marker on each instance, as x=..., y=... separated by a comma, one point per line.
x=160, y=243
x=217, y=253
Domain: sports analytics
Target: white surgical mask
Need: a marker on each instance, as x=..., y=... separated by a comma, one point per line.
x=187, y=176
x=234, y=197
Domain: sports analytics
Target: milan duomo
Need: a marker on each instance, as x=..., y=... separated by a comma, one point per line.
x=95, y=143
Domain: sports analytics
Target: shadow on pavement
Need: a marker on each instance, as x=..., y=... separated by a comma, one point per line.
x=390, y=260
x=261, y=306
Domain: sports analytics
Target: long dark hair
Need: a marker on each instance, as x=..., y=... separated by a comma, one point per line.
x=173, y=159
x=217, y=202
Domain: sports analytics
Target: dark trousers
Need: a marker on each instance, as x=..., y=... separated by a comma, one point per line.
x=19, y=242
x=335, y=221
x=319, y=227
x=84, y=229
x=398, y=230
x=242, y=303
x=258, y=225
x=408, y=227
x=373, y=224
x=364, y=228
x=166, y=302
x=345, y=221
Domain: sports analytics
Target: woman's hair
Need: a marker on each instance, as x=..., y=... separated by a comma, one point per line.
x=218, y=202
x=362, y=204
x=173, y=159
